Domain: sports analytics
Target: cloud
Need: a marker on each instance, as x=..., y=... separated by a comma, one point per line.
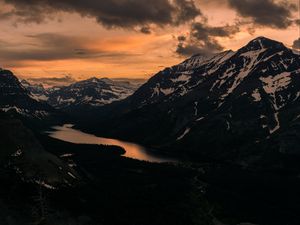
x=42, y=47
x=146, y=30
x=296, y=44
x=204, y=32
x=110, y=13
x=269, y=13
x=187, y=11
x=52, y=81
x=202, y=39
x=192, y=49
x=52, y=46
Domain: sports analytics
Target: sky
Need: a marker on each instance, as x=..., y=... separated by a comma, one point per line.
x=64, y=41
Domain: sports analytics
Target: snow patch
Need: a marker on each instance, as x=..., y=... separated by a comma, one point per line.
x=276, y=83
x=18, y=153
x=167, y=91
x=196, y=108
x=256, y=95
x=44, y=184
x=187, y=130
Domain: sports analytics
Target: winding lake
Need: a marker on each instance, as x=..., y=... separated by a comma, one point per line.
x=135, y=151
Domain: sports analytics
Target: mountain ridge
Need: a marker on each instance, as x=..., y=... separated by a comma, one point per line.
x=92, y=92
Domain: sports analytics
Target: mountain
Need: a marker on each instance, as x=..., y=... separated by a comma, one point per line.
x=36, y=90
x=15, y=98
x=240, y=106
x=91, y=92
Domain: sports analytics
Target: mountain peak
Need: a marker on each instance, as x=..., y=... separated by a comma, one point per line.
x=97, y=80
x=261, y=42
x=7, y=73
x=93, y=79
x=198, y=60
x=7, y=77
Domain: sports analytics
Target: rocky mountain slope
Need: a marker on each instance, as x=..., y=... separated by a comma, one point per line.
x=15, y=98
x=37, y=91
x=239, y=105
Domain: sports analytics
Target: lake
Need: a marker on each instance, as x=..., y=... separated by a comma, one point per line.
x=69, y=134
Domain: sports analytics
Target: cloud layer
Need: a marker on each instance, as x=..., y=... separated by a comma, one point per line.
x=110, y=13
x=265, y=13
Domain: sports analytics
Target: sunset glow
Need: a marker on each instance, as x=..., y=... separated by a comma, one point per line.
x=71, y=43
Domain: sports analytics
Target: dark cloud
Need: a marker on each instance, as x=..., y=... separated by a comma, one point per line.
x=110, y=13
x=187, y=11
x=190, y=49
x=269, y=13
x=146, y=30
x=204, y=32
x=202, y=39
x=296, y=44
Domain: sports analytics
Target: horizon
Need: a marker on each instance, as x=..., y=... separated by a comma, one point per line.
x=49, y=82
x=55, y=42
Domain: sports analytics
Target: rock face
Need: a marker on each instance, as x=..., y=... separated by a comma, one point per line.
x=232, y=105
x=15, y=98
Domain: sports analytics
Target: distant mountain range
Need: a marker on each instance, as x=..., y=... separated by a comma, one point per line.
x=240, y=106
x=92, y=92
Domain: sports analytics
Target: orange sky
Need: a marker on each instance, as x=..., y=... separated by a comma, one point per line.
x=114, y=52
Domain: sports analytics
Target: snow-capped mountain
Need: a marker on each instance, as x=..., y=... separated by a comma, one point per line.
x=229, y=105
x=15, y=98
x=36, y=90
x=91, y=92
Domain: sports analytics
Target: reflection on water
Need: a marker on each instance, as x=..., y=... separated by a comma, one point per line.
x=135, y=151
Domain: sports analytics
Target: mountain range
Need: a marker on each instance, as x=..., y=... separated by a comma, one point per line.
x=87, y=93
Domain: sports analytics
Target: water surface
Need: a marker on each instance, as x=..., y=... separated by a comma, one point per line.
x=135, y=151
